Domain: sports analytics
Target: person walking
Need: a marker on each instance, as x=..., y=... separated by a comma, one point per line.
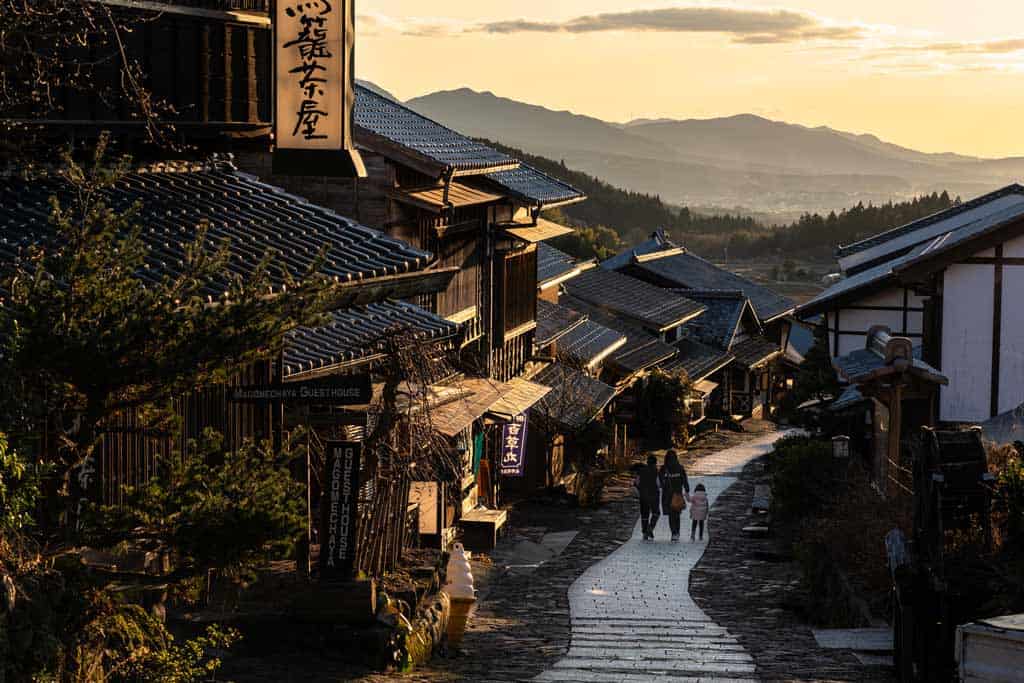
x=698, y=511
x=646, y=484
x=674, y=489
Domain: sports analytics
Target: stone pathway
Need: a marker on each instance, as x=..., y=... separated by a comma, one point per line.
x=632, y=617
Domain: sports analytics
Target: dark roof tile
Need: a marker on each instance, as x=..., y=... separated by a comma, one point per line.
x=256, y=219
x=654, y=307
x=422, y=136
x=534, y=186
x=552, y=263
x=697, y=360
x=575, y=398
x=755, y=350
x=355, y=335
x=687, y=270
x=641, y=351
x=554, y=321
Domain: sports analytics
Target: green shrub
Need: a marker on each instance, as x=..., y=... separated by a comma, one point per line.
x=801, y=476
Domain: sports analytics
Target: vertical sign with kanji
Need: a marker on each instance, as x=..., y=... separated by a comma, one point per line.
x=513, y=447
x=338, y=510
x=314, y=48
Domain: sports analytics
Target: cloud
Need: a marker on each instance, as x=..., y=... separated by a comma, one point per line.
x=985, y=47
x=748, y=26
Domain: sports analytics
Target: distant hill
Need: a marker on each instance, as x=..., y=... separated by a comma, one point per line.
x=739, y=161
x=630, y=217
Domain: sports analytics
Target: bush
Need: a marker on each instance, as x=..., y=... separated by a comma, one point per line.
x=801, y=477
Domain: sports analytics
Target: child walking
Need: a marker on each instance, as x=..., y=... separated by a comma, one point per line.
x=698, y=510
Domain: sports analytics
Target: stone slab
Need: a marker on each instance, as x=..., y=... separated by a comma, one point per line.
x=862, y=639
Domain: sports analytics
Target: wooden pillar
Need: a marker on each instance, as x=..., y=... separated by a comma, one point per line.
x=228, y=81
x=204, y=74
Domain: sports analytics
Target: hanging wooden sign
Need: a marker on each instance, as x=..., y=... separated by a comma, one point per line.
x=314, y=49
x=335, y=390
x=338, y=510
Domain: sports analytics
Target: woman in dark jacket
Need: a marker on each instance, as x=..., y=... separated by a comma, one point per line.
x=646, y=484
x=673, y=482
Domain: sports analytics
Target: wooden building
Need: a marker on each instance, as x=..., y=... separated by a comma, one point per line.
x=751, y=321
x=947, y=283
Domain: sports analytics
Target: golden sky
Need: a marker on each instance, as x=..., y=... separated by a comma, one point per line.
x=935, y=75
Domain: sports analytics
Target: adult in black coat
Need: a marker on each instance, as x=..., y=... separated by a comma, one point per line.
x=672, y=478
x=647, y=488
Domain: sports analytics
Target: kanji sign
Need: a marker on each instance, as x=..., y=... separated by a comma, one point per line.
x=314, y=49
x=338, y=510
x=513, y=447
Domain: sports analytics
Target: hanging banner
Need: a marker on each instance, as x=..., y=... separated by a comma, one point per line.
x=338, y=510
x=513, y=446
x=314, y=49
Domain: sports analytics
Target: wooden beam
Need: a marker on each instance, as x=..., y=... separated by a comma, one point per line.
x=992, y=261
x=997, y=328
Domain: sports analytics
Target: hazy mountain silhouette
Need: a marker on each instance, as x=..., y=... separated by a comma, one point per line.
x=736, y=161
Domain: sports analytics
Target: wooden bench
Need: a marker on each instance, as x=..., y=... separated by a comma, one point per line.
x=480, y=528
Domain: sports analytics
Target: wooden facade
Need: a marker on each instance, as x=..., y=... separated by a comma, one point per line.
x=209, y=61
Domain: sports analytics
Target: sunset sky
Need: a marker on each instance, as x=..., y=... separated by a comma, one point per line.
x=936, y=75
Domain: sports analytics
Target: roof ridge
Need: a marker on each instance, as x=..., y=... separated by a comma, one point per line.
x=361, y=89
x=862, y=244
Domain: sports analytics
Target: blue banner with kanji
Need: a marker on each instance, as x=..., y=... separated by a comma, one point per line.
x=513, y=447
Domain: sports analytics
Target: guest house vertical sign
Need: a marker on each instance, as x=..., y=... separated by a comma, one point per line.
x=314, y=52
x=338, y=510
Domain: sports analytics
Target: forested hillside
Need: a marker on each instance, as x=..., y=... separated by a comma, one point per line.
x=613, y=218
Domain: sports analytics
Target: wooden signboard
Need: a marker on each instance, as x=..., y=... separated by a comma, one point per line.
x=335, y=390
x=314, y=50
x=338, y=510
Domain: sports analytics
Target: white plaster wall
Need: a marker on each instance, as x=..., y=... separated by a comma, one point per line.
x=967, y=343
x=1011, y=341
x=1014, y=248
x=886, y=297
x=856, y=320
x=851, y=342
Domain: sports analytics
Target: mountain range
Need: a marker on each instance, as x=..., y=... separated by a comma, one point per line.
x=738, y=162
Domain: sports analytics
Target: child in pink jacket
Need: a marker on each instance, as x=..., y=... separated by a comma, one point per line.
x=698, y=510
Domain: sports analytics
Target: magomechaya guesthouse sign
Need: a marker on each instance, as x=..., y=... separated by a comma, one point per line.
x=338, y=510
x=513, y=446
x=314, y=48
x=337, y=390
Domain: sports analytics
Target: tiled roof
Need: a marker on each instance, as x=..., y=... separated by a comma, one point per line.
x=575, y=398
x=919, y=226
x=861, y=364
x=697, y=360
x=654, y=307
x=424, y=137
x=850, y=397
x=254, y=216
x=355, y=335
x=887, y=272
x=589, y=342
x=554, y=321
x=687, y=270
x=717, y=325
x=641, y=351
x=536, y=187
x=755, y=350
x=552, y=263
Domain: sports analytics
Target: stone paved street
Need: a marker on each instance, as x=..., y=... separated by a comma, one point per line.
x=751, y=586
x=632, y=615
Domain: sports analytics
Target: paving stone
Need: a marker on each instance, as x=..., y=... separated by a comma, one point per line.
x=862, y=639
x=641, y=591
x=749, y=596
